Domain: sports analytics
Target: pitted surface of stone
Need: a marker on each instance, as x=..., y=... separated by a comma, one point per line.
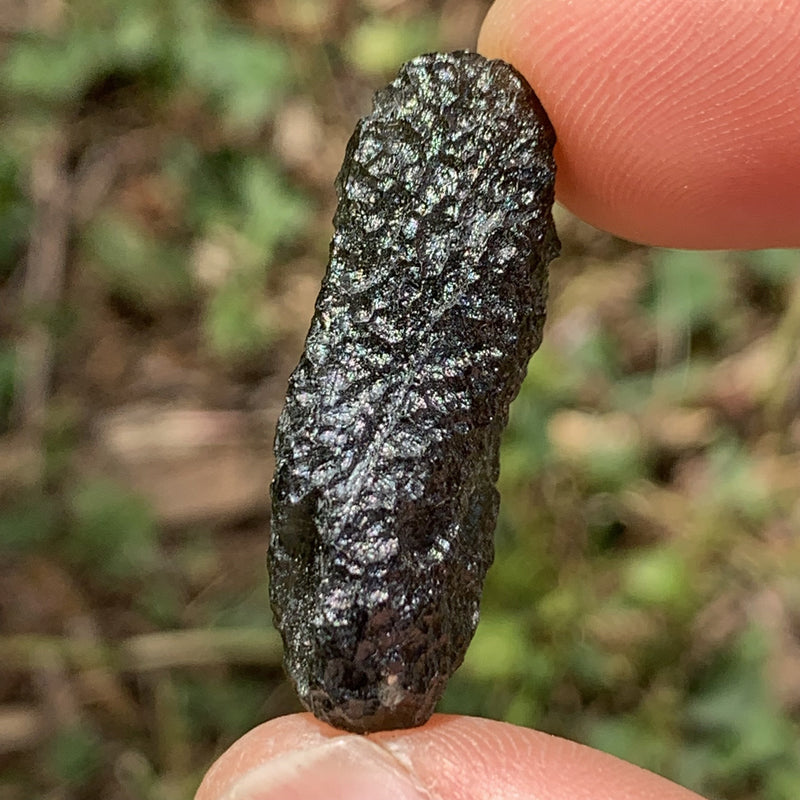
x=384, y=501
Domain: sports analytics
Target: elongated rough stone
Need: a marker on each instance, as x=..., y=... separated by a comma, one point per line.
x=384, y=501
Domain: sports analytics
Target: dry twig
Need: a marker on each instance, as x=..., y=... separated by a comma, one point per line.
x=44, y=278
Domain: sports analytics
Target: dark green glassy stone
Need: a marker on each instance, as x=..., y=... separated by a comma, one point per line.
x=384, y=501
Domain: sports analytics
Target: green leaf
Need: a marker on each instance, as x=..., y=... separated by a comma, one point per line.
x=151, y=274
x=235, y=325
x=244, y=75
x=213, y=181
x=56, y=69
x=226, y=710
x=690, y=288
x=381, y=43
x=736, y=711
x=776, y=267
x=75, y=755
x=274, y=213
x=244, y=193
x=113, y=533
x=15, y=215
x=657, y=577
x=499, y=649
x=736, y=484
x=137, y=35
x=28, y=524
x=630, y=738
x=8, y=372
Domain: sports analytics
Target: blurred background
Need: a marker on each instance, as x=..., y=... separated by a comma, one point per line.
x=166, y=191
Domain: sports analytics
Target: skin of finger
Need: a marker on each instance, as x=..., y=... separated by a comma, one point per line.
x=459, y=758
x=677, y=120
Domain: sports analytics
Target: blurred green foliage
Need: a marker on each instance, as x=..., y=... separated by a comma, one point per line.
x=179, y=45
x=29, y=523
x=594, y=618
x=135, y=265
x=221, y=709
x=113, y=533
x=690, y=289
x=8, y=368
x=380, y=44
x=166, y=56
x=75, y=756
x=14, y=213
x=740, y=729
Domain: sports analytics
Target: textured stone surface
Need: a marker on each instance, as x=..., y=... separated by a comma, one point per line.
x=384, y=501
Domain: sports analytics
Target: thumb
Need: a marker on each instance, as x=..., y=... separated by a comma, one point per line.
x=450, y=758
x=298, y=758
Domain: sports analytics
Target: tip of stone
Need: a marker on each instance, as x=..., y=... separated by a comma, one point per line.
x=360, y=716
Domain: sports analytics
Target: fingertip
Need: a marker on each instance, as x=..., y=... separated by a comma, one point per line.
x=469, y=758
x=259, y=746
x=677, y=121
x=450, y=758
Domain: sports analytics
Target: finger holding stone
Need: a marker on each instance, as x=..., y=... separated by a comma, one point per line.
x=677, y=121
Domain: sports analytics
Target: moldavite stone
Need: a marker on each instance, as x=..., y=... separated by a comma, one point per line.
x=384, y=501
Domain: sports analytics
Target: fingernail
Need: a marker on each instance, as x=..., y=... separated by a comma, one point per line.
x=349, y=767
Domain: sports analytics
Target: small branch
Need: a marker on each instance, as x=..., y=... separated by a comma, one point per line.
x=201, y=648
x=26, y=16
x=60, y=201
x=44, y=279
x=102, y=164
x=150, y=651
x=21, y=728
